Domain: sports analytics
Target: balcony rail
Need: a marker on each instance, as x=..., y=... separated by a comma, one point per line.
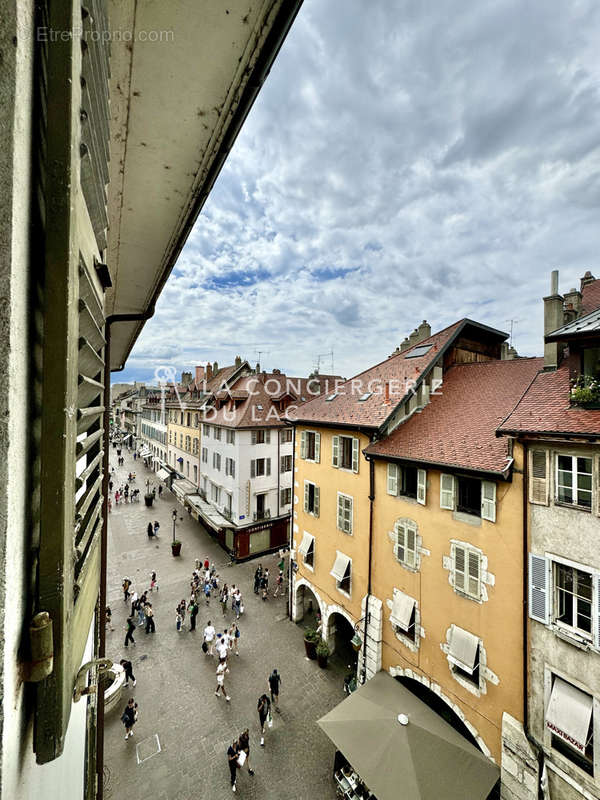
x=266, y=514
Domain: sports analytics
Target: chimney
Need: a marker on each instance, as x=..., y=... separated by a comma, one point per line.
x=208, y=371
x=553, y=319
x=186, y=378
x=238, y=361
x=257, y=370
x=572, y=304
x=424, y=330
x=386, y=396
x=413, y=338
x=405, y=344
x=587, y=278
x=215, y=368
x=199, y=375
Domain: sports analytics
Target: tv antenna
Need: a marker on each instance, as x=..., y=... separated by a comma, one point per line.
x=320, y=356
x=260, y=353
x=513, y=322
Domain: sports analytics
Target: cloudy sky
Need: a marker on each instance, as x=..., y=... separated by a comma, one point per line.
x=404, y=161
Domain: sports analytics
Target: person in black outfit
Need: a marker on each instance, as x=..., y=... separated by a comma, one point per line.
x=149, y=619
x=232, y=756
x=129, y=717
x=150, y=530
x=127, y=666
x=130, y=630
x=263, y=707
x=244, y=744
x=193, y=614
x=274, y=681
x=257, y=577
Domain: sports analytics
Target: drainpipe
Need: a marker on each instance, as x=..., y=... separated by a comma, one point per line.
x=278, y=434
x=363, y=674
x=290, y=568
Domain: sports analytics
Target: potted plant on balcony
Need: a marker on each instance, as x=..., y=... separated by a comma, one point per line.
x=585, y=391
x=322, y=653
x=310, y=642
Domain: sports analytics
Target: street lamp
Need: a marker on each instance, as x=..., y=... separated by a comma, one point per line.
x=174, y=518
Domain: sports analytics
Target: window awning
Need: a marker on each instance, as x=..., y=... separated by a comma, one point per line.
x=163, y=474
x=402, y=610
x=126, y=437
x=307, y=540
x=180, y=459
x=144, y=452
x=183, y=487
x=340, y=566
x=569, y=714
x=463, y=649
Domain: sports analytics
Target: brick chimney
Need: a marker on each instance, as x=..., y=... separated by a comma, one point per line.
x=215, y=368
x=553, y=319
x=208, y=371
x=424, y=330
x=587, y=278
x=238, y=361
x=199, y=375
x=572, y=305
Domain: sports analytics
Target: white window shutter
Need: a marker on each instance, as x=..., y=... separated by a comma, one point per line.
x=447, y=491
x=421, y=486
x=538, y=477
x=400, y=543
x=253, y=468
x=597, y=611
x=282, y=464
x=488, y=500
x=317, y=501
x=539, y=589
x=306, y=493
x=474, y=575
x=268, y=461
x=392, y=479
x=335, y=451
x=253, y=437
x=459, y=559
x=317, y=447
x=303, y=444
x=350, y=525
x=232, y=468
x=411, y=547
x=268, y=437
x=340, y=512
x=355, y=455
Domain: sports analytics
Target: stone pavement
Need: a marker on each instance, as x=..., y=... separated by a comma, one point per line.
x=176, y=681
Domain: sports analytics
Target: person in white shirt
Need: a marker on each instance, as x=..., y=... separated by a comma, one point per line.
x=209, y=637
x=221, y=670
x=222, y=649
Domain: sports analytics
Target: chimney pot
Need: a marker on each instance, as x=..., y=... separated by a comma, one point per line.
x=554, y=282
x=386, y=396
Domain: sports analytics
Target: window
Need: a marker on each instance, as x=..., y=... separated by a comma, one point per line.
x=403, y=616
x=570, y=719
x=287, y=434
x=195, y=446
x=181, y=420
x=181, y=441
x=215, y=493
x=217, y=434
x=217, y=461
x=419, y=351
x=206, y=429
x=187, y=419
x=230, y=467
x=311, y=498
x=463, y=655
x=307, y=549
x=205, y=484
x=228, y=498
x=230, y=437
x=286, y=463
x=405, y=481
x=344, y=452
x=310, y=446
x=574, y=481
x=342, y=572
x=205, y=455
x=188, y=443
x=344, y=513
x=538, y=477
x=405, y=546
x=195, y=473
x=261, y=437
x=286, y=497
x=470, y=496
x=466, y=570
x=260, y=466
x=573, y=598
x=591, y=362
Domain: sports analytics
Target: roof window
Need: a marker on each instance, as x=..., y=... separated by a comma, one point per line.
x=364, y=397
x=419, y=351
x=332, y=397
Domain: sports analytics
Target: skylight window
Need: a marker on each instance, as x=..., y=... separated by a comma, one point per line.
x=364, y=397
x=332, y=397
x=259, y=407
x=419, y=351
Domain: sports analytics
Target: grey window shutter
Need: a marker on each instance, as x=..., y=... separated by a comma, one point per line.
x=253, y=468
x=267, y=437
x=392, y=479
x=597, y=611
x=447, y=491
x=268, y=464
x=538, y=477
x=488, y=500
x=400, y=543
x=232, y=468
x=317, y=502
x=421, y=486
x=317, y=447
x=340, y=512
x=355, y=454
x=303, y=444
x=306, y=495
x=539, y=589
x=253, y=435
x=335, y=451
x=474, y=575
x=459, y=568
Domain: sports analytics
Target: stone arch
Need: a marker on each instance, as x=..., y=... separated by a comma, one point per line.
x=299, y=607
x=400, y=672
x=330, y=628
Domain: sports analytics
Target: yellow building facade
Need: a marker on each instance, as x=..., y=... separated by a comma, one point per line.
x=183, y=440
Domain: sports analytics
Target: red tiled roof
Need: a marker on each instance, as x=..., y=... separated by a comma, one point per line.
x=398, y=370
x=590, y=297
x=458, y=427
x=545, y=408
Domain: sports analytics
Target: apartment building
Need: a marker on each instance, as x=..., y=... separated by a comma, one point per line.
x=557, y=423
x=153, y=430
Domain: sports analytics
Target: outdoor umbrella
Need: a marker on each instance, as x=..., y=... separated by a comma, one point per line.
x=402, y=749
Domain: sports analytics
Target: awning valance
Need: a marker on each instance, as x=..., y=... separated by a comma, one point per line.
x=402, y=609
x=182, y=487
x=340, y=566
x=144, y=452
x=163, y=474
x=307, y=540
x=463, y=649
x=569, y=714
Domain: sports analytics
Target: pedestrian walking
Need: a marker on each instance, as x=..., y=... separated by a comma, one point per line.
x=141, y=610
x=207, y=593
x=274, y=683
x=232, y=760
x=209, y=638
x=126, y=584
x=178, y=620
x=257, y=577
x=206, y=563
x=134, y=604
x=109, y=505
x=110, y=485
x=129, y=717
x=193, y=609
x=181, y=610
x=223, y=599
x=221, y=671
x=237, y=603
x=264, y=584
x=130, y=630
x=244, y=747
x=281, y=564
x=109, y=618
x=117, y=497
x=234, y=636
x=222, y=649
x=156, y=527
x=150, y=627
x=160, y=490
x=264, y=715
x=279, y=583
x=150, y=530
x=127, y=666
x=134, y=456
x=153, y=578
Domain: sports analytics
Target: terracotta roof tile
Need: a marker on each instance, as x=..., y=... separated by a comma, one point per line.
x=458, y=427
x=545, y=408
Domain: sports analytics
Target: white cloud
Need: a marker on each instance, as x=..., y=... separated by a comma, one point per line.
x=403, y=161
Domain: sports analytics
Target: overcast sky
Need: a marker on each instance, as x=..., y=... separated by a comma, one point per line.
x=404, y=161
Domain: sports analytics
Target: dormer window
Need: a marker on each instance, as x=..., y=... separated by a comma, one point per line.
x=591, y=362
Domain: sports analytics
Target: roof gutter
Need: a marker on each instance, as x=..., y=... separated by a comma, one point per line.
x=275, y=38
x=503, y=474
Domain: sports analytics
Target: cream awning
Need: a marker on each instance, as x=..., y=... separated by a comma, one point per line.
x=340, y=566
x=144, y=452
x=463, y=649
x=402, y=609
x=163, y=474
x=569, y=713
x=307, y=540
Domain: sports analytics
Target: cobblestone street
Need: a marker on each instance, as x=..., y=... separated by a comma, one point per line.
x=176, y=681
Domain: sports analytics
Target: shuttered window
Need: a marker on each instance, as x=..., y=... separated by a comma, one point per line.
x=405, y=548
x=310, y=446
x=392, y=479
x=311, y=498
x=538, y=477
x=447, y=491
x=345, y=452
x=539, y=589
x=344, y=513
x=466, y=563
x=421, y=486
x=488, y=500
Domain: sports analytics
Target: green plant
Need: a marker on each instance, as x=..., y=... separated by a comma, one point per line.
x=175, y=542
x=323, y=649
x=311, y=635
x=585, y=389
